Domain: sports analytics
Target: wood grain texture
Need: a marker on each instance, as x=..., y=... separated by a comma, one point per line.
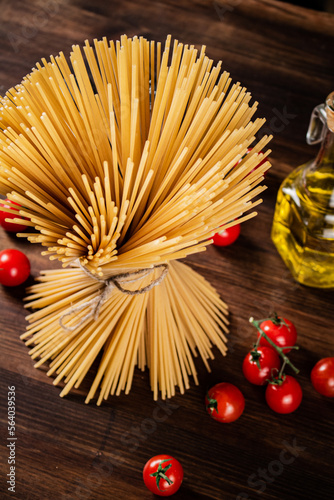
x=68, y=450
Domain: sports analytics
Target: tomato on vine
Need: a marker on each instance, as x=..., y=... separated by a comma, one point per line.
x=284, y=394
x=14, y=267
x=322, y=377
x=163, y=475
x=281, y=331
x=260, y=364
x=225, y=402
x=11, y=226
x=227, y=236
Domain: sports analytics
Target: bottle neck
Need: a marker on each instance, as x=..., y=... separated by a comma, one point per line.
x=317, y=178
x=325, y=157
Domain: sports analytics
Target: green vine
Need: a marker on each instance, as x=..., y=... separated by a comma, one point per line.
x=280, y=350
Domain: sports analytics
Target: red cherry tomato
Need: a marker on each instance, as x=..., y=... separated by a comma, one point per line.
x=282, y=334
x=284, y=397
x=322, y=377
x=226, y=236
x=10, y=226
x=257, y=166
x=269, y=362
x=225, y=402
x=163, y=475
x=14, y=267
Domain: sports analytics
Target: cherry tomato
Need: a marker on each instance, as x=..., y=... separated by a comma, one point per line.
x=225, y=402
x=10, y=226
x=163, y=475
x=284, y=397
x=269, y=362
x=282, y=334
x=14, y=267
x=257, y=166
x=322, y=377
x=226, y=236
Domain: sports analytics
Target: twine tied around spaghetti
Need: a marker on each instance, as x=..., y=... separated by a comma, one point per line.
x=109, y=284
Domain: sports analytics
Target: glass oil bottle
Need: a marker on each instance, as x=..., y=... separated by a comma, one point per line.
x=303, y=225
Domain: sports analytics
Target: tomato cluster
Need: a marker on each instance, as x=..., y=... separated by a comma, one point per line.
x=276, y=337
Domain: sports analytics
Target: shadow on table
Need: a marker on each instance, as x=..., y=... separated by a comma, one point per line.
x=187, y=494
x=18, y=293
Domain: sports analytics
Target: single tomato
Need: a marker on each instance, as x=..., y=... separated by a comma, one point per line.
x=260, y=364
x=14, y=267
x=281, y=331
x=225, y=402
x=11, y=226
x=163, y=475
x=284, y=395
x=227, y=236
x=322, y=377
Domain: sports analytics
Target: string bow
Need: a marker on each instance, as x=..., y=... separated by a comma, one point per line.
x=94, y=305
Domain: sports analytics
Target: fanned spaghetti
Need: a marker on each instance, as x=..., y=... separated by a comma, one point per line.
x=124, y=159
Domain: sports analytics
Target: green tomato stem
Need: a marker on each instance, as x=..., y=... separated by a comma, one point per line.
x=212, y=404
x=278, y=349
x=281, y=370
x=160, y=473
x=256, y=357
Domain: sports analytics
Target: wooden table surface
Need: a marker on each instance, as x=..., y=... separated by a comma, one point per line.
x=68, y=450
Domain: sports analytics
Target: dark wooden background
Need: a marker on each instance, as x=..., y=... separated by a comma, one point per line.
x=67, y=450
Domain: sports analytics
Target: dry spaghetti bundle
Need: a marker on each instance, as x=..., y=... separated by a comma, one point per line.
x=124, y=159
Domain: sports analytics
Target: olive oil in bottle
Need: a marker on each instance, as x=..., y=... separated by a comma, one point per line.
x=303, y=226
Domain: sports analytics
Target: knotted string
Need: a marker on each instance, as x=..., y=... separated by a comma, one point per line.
x=109, y=284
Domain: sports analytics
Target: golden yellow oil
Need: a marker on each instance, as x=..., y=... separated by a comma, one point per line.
x=303, y=226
